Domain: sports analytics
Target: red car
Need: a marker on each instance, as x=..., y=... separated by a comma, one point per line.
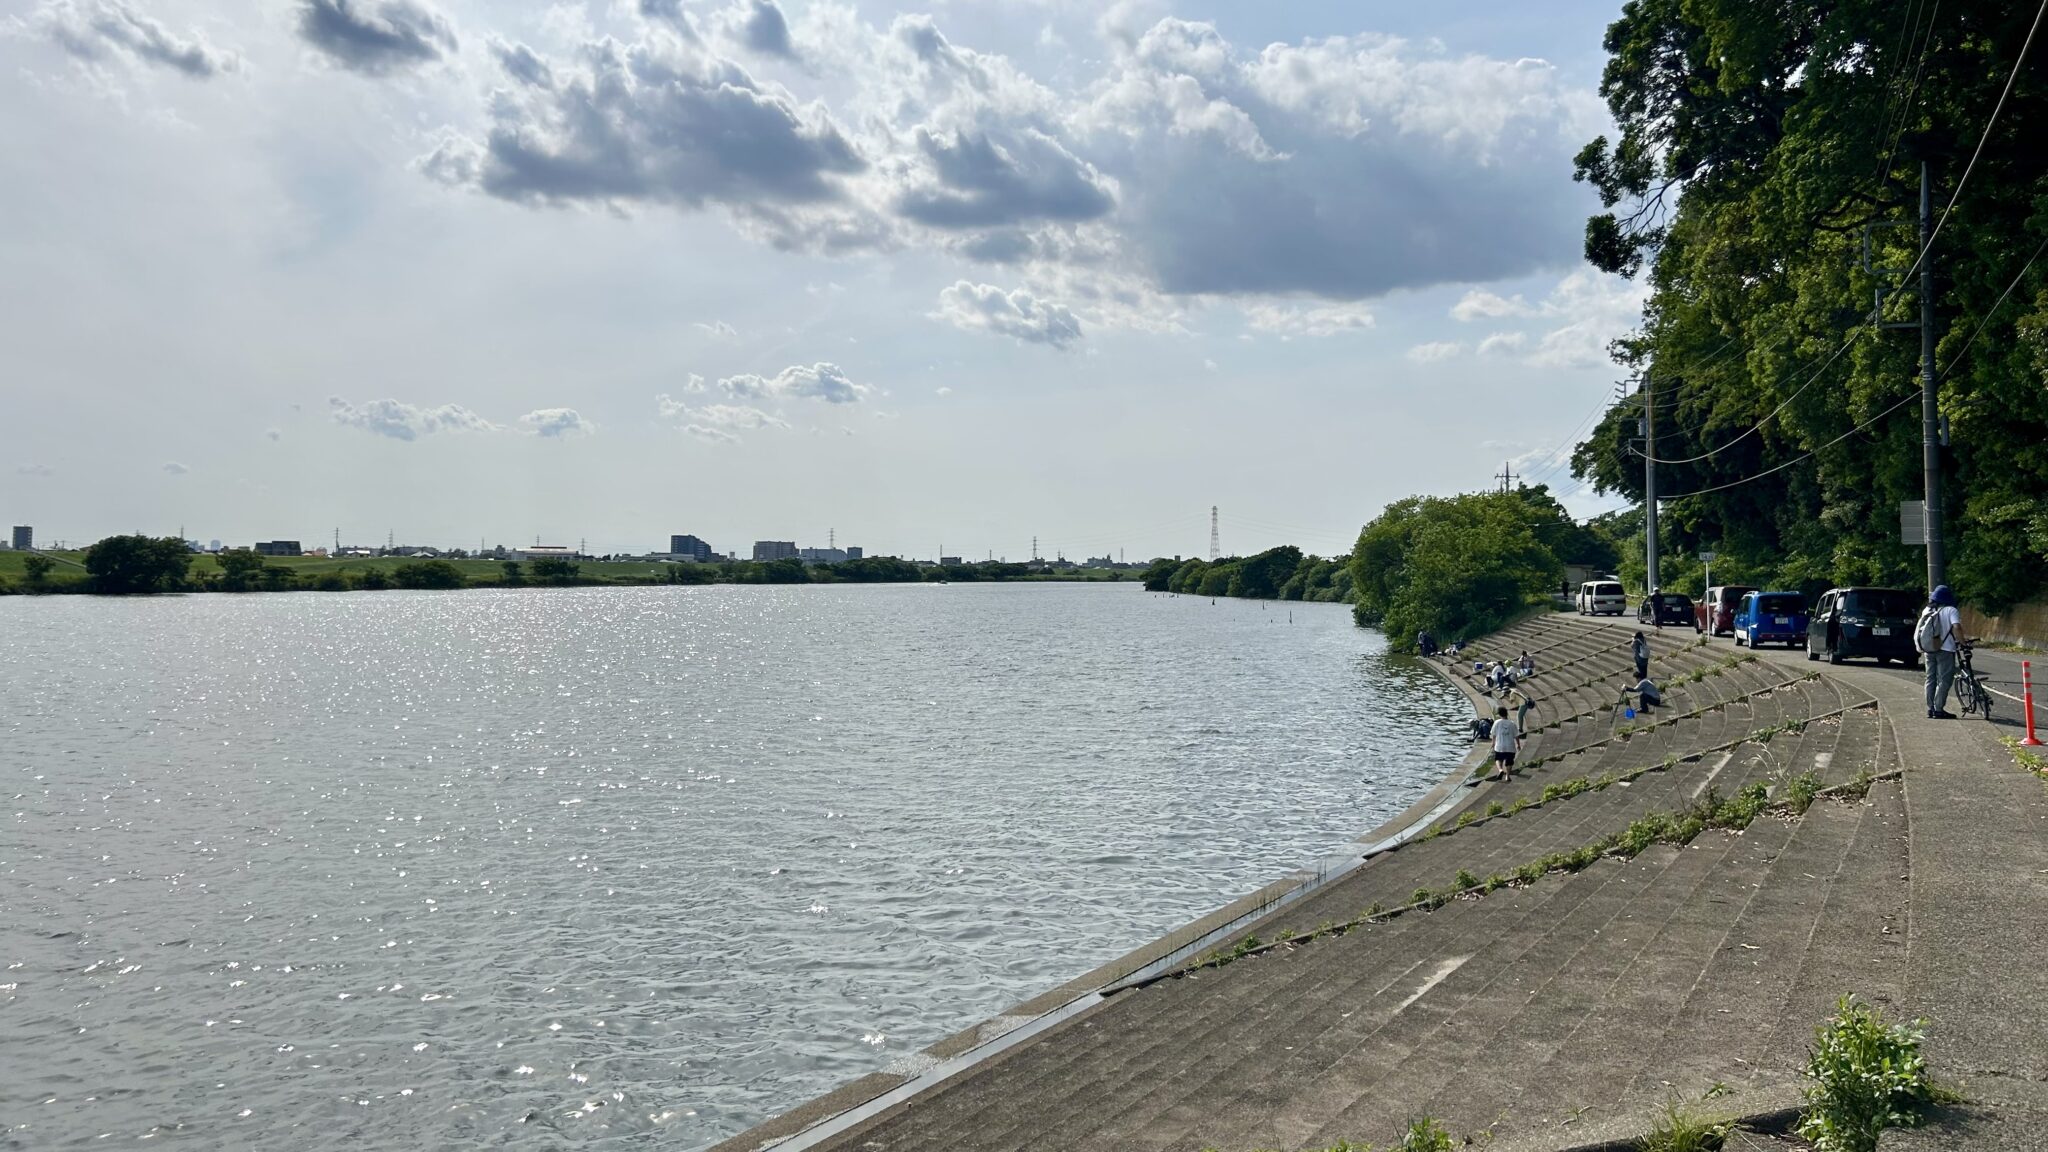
x=1715, y=613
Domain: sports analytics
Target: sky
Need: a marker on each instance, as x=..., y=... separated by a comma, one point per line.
x=950, y=275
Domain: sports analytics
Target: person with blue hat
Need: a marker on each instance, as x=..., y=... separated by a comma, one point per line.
x=1935, y=636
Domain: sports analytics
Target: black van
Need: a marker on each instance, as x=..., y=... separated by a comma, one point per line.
x=1864, y=622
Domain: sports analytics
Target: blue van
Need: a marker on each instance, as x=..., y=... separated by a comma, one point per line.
x=1771, y=618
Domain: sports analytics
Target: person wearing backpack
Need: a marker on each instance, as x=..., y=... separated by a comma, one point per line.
x=1935, y=635
x=1641, y=651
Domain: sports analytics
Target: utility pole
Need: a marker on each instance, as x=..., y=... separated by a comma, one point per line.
x=1215, y=541
x=1506, y=477
x=1650, y=480
x=1930, y=409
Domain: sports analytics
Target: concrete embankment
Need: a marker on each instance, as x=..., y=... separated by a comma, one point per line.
x=1559, y=956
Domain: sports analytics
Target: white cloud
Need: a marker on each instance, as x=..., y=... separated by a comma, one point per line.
x=945, y=390
x=1503, y=343
x=1019, y=314
x=1290, y=321
x=556, y=422
x=719, y=328
x=1480, y=304
x=717, y=423
x=1156, y=174
x=175, y=468
x=821, y=381
x=95, y=31
x=1434, y=351
x=406, y=421
x=1587, y=311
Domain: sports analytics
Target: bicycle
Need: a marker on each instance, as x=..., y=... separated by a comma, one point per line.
x=1970, y=689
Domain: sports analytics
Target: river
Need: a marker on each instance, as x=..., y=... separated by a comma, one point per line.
x=608, y=866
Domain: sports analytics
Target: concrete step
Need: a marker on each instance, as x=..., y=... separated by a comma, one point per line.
x=1187, y=1112
x=1858, y=944
x=1589, y=1071
x=1553, y=1012
x=1741, y=990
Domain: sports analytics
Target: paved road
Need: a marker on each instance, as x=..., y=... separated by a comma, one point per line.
x=2001, y=671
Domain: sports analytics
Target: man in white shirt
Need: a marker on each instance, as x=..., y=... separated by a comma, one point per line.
x=1941, y=660
x=1507, y=740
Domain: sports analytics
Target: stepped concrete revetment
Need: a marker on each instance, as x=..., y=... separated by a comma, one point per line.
x=1450, y=973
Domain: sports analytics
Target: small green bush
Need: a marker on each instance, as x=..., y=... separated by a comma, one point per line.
x=1465, y=880
x=1867, y=1076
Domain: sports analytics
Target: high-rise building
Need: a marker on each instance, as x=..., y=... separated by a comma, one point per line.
x=24, y=537
x=854, y=553
x=774, y=549
x=689, y=546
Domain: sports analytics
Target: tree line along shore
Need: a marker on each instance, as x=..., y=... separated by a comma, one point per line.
x=141, y=565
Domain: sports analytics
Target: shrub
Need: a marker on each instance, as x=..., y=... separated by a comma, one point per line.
x=1465, y=880
x=1867, y=1076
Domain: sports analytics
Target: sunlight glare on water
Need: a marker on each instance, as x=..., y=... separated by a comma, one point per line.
x=555, y=868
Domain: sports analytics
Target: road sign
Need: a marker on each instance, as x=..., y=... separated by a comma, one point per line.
x=1913, y=523
x=1706, y=557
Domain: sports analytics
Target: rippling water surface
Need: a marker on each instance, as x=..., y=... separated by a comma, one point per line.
x=609, y=866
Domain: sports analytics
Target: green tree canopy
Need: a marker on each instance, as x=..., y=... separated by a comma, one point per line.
x=1457, y=566
x=128, y=565
x=1761, y=147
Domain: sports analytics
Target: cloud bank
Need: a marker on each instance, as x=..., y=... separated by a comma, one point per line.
x=987, y=308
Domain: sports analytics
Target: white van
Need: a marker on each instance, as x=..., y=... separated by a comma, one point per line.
x=1602, y=598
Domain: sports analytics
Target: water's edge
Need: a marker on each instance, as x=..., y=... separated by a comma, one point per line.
x=851, y=1103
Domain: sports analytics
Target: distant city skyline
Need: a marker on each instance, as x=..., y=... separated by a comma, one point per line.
x=951, y=275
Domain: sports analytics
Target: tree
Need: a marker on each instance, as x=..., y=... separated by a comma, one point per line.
x=1458, y=566
x=510, y=573
x=435, y=574
x=1757, y=144
x=129, y=565
x=240, y=568
x=553, y=570
x=35, y=569
x=370, y=578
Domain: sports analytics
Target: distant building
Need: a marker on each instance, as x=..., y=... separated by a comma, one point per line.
x=24, y=537
x=854, y=553
x=689, y=548
x=949, y=561
x=544, y=552
x=775, y=550
x=821, y=555
x=279, y=548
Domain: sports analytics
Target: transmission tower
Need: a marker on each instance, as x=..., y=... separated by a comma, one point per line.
x=1215, y=541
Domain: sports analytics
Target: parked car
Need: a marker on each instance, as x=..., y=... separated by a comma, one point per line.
x=1875, y=622
x=1716, y=610
x=1602, y=598
x=1665, y=608
x=1771, y=618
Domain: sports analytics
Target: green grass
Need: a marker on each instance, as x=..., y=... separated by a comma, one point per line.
x=1682, y=1131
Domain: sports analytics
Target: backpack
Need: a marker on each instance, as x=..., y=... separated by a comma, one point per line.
x=1927, y=633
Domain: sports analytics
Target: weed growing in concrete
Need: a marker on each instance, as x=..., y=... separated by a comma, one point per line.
x=1468, y=817
x=1248, y=944
x=1521, y=802
x=1797, y=793
x=1426, y=1135
x=1422, y=897
x=1681, y=1131
x=2026, y=757
x=1496, y=808
x=1374, y=910
x=1867, y=1076
x=1465, y=880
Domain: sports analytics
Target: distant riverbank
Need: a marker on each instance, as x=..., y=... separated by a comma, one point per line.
x=67, y=572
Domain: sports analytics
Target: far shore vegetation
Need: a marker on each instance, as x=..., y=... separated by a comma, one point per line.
x=139, y=565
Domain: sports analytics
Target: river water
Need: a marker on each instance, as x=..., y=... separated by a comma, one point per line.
x=619, y=866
